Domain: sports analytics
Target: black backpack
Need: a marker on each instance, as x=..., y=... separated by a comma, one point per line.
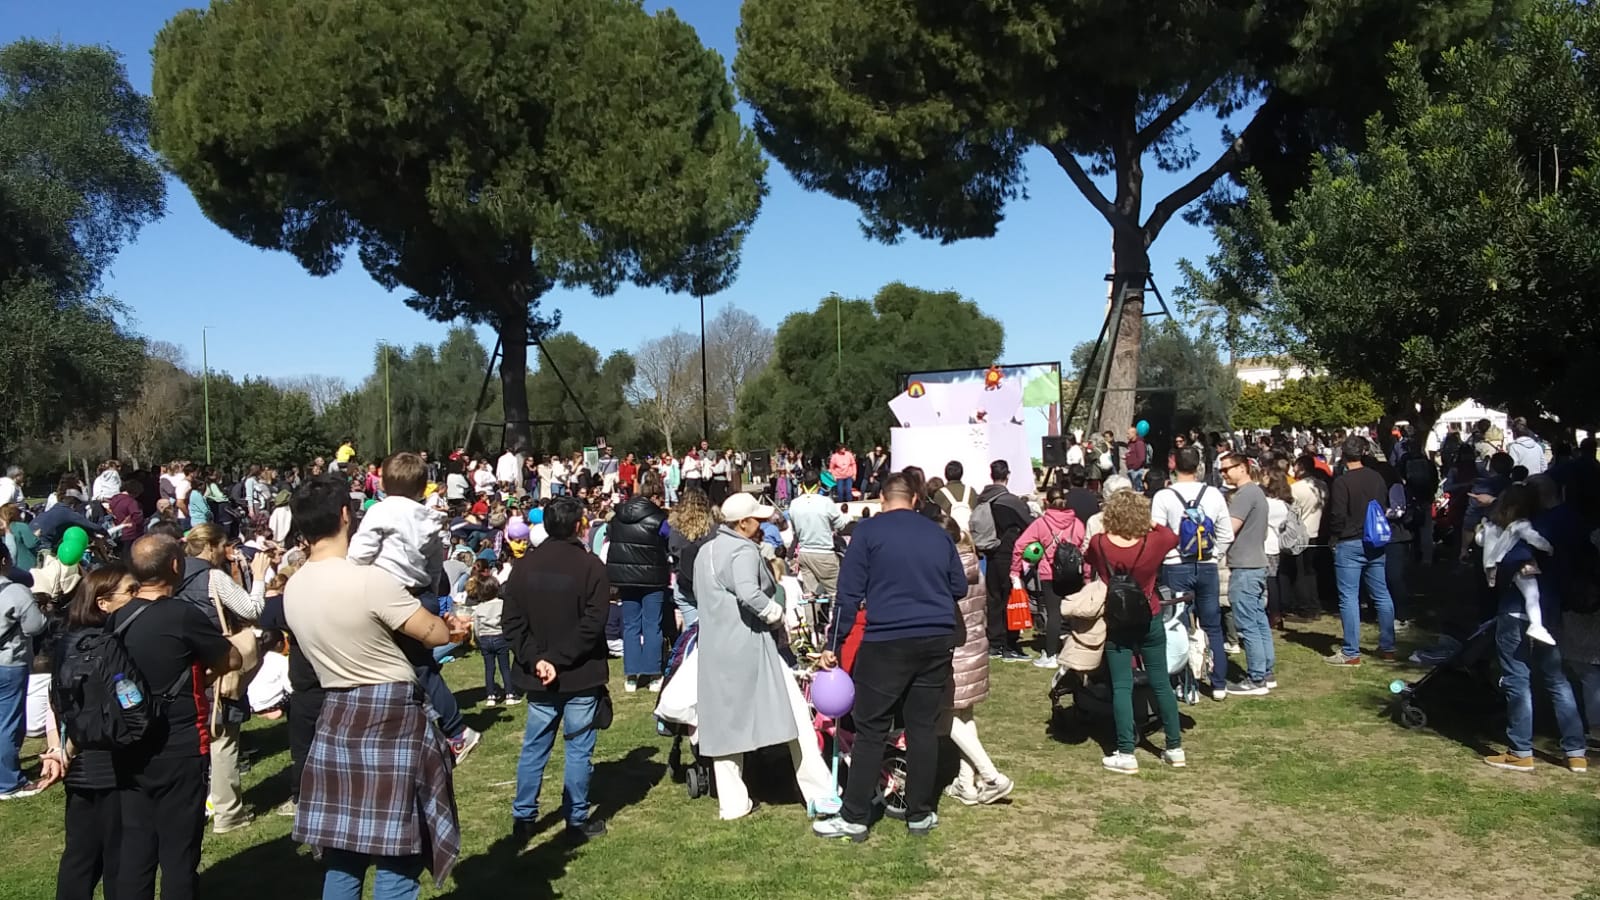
x=1128, y=613
x=83, y=690
x=1066, y=568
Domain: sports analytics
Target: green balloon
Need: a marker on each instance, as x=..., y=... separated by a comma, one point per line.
x=73, y=543
x=1033, y=552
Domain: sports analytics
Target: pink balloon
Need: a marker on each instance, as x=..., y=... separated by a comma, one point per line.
x=832, y=692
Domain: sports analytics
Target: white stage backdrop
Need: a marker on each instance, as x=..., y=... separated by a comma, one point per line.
x=974, y=446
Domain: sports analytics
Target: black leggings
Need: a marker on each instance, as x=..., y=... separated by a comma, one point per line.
x=305, y=707
x=94, y=839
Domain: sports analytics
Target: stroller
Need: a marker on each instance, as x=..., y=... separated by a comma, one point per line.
x=1457, y=664
x=671, y=721
x=837, y=739
x=1186, y=656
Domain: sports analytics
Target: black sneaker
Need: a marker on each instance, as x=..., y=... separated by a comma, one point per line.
x=1011, y=654
x=997, y=653
x=523, y=830
x=591, y=828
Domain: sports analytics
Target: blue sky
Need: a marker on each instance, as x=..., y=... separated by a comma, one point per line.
x=1042, y=276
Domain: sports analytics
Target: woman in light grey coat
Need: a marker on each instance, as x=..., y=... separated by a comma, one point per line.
x=748, y=698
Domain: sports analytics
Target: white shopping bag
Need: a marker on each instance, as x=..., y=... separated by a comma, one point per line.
x=678, y=698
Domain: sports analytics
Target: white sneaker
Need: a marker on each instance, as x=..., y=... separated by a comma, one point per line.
x=1231, y=648
x=1121, y=763
x=655, y=685
x=955, y=791
x=631, y=685
x=1045, y=661
x=1272, y=683
x=994, y=789
x=489, y=702
x=1175, y=758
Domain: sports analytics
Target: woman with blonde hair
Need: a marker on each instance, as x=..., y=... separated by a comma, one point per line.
x=1134, y=548
x=690, y=524
x=977, y=779
x=209, y=584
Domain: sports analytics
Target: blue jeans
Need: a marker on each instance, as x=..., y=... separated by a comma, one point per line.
x=396, y=879
x=1354, y=565
x=494, y=649
x=844, y=489
x=1519, y=656
x=1137, y=477
x=1247, y=594
x=1200, y=581
x=546, y=712
x=13, y=725
x=641, y=631
x=445, y=707
x=557, y=489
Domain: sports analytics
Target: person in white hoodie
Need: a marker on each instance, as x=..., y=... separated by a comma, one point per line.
x=398, y=534
x=1524, y=448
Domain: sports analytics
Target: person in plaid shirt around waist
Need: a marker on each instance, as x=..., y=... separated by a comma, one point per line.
x=376, y=789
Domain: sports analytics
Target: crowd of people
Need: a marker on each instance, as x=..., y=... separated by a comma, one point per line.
x=330, y=596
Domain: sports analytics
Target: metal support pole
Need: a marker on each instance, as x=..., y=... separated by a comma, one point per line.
x=388, y=407
x=205, y=390
x=483, y=390
x=705, y=381
x=838, y=324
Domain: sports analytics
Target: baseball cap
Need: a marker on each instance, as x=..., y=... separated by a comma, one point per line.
x=744, y=506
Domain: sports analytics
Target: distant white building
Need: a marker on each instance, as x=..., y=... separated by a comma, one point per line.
x=1269, y=372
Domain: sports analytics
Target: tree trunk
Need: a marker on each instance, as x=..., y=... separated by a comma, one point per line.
x=1130, y=267
x=513, y=331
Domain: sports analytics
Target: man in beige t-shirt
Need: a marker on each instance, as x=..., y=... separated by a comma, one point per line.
x=344, y=617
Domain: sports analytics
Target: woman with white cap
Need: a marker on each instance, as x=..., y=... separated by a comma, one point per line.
x=748, y=698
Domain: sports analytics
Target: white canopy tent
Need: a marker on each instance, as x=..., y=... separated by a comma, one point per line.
x=1464, y=415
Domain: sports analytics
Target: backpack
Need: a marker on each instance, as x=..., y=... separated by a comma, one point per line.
x=1128, y=613
x=1066, y=566
x=960, y=510
x=1292, y=536
x=83, y=690
x=1196, y=530
x=1376, y=532
x=985, y=536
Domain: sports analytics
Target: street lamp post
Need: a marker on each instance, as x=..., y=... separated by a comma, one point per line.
x=838, y=323
x=705, y=391
x=205, y=387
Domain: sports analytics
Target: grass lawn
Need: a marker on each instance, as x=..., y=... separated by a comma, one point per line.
x=1311, y=792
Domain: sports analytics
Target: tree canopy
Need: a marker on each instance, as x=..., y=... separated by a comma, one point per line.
x=1316, y=402
x=77, y=180
x=811, y=389
x=920, y=111
x=474, y=153
x=1456, y=252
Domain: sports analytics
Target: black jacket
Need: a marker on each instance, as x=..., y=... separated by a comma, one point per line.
x=638, y=555
x=555, y=605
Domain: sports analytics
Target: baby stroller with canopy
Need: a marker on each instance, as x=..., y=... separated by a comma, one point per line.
x=675, y=716
x=1460, y=670
x=1090, y=692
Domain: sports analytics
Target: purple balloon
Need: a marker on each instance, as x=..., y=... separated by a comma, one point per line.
x=832, y=692
x=517, y=529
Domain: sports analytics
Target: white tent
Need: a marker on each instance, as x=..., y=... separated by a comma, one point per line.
x=1464, y=415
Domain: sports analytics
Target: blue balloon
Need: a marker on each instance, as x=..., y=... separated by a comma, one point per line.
x=536, y=516
x=1143, y=428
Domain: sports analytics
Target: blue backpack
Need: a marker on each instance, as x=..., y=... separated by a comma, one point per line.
x=1196, y=531
x=1376, y=531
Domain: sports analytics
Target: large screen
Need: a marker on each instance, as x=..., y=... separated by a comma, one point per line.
x=1040, y=384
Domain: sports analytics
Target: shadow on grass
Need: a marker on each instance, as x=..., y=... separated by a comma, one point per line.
x=1317, y=642
x=511, y=869
x=275, y=868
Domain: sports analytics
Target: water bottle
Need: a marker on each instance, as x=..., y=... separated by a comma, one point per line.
x=128, y=693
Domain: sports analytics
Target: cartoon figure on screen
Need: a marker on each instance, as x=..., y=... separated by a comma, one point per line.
x=991, y=379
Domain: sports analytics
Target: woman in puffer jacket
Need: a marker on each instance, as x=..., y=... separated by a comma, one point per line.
x=978, y=780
